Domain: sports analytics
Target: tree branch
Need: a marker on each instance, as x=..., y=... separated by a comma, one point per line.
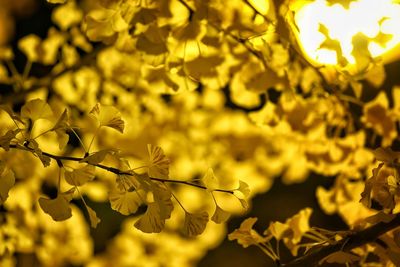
x=346, y=244
x=116, y=171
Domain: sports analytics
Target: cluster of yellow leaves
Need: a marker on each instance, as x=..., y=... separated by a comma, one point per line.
x=291, y=233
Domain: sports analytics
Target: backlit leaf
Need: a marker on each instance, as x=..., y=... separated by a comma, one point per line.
x=158, y=163
x=98, y=156
x=151, y=221
x=220, y=215
x=80, y=176
x=7, y=181
x=209, y=180
x=195, y=223
x=36, y=109
x=6, y=139
x=245, y=235
x=108, y=116
x=57, y=208
x=94, y=220
x=125, y=202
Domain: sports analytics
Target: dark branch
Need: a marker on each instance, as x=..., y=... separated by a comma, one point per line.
x=348, y=243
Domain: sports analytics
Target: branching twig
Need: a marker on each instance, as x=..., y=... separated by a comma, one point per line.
x=346, y=244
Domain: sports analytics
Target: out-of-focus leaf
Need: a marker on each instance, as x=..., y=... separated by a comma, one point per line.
x=195, y=223
x=7, y=181
x=57, y=1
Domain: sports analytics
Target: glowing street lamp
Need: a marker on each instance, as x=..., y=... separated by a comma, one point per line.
x=346, y=34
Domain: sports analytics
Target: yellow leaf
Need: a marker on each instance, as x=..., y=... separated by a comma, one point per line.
x=94, y=220
x=98, y=156
x=125, y=202
x=245, y=235
x=7, y=181
x=57, y=1
x=80, y=176
x=151, y=221
x=210, y=181
x=6, y=139
x=66, y=16
x=195, y=223
x=108, y=116
x=299, y=224
x=278, y=230
x=60, y=127
x=158, y=163
x=220, y=215
x=242, y=191
x=30, y=46
x=36, y=109
x=57, y=208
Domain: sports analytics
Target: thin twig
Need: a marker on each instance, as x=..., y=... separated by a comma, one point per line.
x=116, y=170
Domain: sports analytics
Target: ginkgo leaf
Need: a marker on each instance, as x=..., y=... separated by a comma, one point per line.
x=11, y=113
x=98, y=156
x=210, y=181
x=57, y=1
x=299, y=224
x=39, y=153
x=162, y=197
x=80, y=176
x=108, y=116
x=158, y=163
x=58, y=208
x=69, y=194
x=36, y=109
x=195, y=223
x=278, y=230
x=151, y=221
x=203, y=66
x=60, y=127
x=245, y=235
x=241, y=193
x=94, y=220
x=125, y=202
x=220, y=215
x=7, y=181
x=30, y=46
x=6, y=139
x=62, y=122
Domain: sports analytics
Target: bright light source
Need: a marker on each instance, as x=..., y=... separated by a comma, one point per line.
x=326, y=31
